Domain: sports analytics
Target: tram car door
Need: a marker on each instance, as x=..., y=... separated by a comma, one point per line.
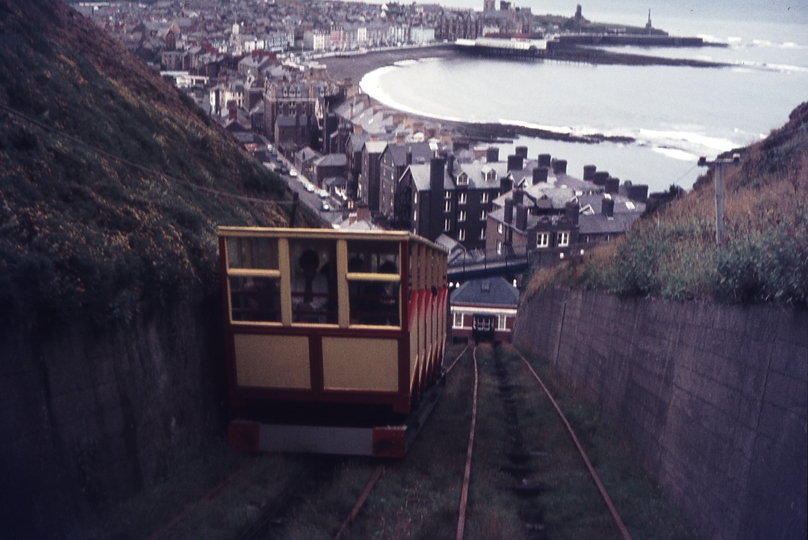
x=482, y=327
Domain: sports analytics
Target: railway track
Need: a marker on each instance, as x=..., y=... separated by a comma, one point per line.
x=524, y=453
x=510, y=469
x=519, y=462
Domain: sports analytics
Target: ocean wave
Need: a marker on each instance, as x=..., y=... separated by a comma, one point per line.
x=742, y=66
x=675, y=153
x=687, y=141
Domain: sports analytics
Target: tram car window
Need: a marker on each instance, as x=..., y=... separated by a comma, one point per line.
x=313, y=281
x=374, y=283
x=254, y=279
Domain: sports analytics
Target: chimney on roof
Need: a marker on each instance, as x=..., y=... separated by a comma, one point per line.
x=521, y=217
x=505, y=185
x=521, y=151
x=518, y=196
x=450, y=165
x=612, y=185
x=436, y=177
x=508, y=210
x=600, y=178
x=589, y=172
x=362, y=211
x=638, y=192
x=545, y=160
x=607, y=207
x=492, y=154
x=540, y=175
x=409, y=155
x=560, y=166
x=571, y=210
x=515, y=163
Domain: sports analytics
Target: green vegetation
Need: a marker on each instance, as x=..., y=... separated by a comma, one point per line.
x=113, y=183
x=672, y=252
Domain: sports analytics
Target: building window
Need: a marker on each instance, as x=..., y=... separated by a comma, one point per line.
x=415, y=215
x=563, y=239
x=499, y=247
x=542, y=240
x=458, y=320
x=501, y=322
x=499, y=228
x=483, y=215
x=447, y=206
x=415, y=198
x=484, y=197
x=447, y=224
x=461, y=197
x=461, y=235
x=461, y=216
x=447, y=194
x=463, y=179
x=482, y=234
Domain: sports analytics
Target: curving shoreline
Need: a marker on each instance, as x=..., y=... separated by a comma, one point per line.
x=354, y=67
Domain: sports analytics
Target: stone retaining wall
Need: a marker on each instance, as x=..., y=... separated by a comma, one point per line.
x=88, y=418
x=712, y=398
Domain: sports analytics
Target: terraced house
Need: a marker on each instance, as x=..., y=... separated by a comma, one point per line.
x=295, y=112
x=393, y=162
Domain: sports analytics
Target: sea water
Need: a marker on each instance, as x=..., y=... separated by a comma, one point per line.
x=672, y=114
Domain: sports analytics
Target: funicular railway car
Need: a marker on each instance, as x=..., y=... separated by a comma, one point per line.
x=334, y=339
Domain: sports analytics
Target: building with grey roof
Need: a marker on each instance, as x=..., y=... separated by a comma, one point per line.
x=368, y=185
x=424, y=200
x=484, y=309
x=603, y=217
x=393, y=162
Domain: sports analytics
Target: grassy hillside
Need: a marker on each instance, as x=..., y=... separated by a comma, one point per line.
x=111, y=182
x=673, y=254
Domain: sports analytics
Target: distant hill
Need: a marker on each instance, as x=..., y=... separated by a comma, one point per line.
x=112, y=182
x=673, y=254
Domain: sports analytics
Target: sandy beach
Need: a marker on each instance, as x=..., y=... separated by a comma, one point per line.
x=357, y=66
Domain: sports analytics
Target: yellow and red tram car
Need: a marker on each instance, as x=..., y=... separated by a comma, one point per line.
x=320, y=316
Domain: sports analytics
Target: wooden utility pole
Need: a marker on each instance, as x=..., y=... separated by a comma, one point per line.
x=719, y=191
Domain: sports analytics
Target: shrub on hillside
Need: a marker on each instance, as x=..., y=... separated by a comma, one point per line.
x=766, y=266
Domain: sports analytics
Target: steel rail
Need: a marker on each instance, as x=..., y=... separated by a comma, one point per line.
x=589, y=466
x=461, y=520
x=361, y=501
x=170, y=525
x=458, y=358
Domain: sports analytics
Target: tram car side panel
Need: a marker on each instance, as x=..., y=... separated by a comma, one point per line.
x=320, y=316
